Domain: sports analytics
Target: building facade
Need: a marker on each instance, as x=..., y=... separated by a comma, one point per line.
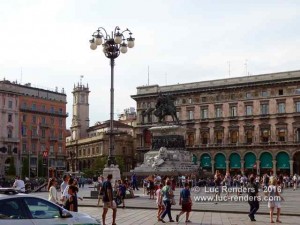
x=86, y=144
x=243, y=125
x=38, y=125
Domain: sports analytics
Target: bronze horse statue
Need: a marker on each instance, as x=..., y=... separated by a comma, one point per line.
x=165, y=107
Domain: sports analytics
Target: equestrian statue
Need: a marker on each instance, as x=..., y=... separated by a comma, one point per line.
x=165, y=107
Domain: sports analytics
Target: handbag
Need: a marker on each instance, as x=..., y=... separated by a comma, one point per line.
x=118, y=200
x=172, y=201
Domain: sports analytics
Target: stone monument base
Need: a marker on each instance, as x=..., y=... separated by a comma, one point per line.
x=114, y=170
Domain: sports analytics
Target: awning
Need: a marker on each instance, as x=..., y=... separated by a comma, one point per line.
x=235, y=161
x=250, y=160
x=205, y=161
x=283, y=160
x=220, y=161
x=266, y=161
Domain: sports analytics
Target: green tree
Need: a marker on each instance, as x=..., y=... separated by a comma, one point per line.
x=120, y=162
x=11, y=169
x=25, y=167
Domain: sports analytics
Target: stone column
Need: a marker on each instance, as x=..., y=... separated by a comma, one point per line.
x=242, y=166
x=258, y=167
x=291, y=167
x=213, y=166
x=227, y=165
x=274, y=167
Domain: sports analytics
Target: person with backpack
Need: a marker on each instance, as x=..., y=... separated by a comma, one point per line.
x=167, y=195
x=108, y=201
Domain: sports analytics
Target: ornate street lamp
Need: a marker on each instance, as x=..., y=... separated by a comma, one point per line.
x=112, y=46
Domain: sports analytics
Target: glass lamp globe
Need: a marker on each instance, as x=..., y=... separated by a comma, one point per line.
x=93, y=46
x=118, y=38
x=123, y=48
x=130, y=42
x=98, y=40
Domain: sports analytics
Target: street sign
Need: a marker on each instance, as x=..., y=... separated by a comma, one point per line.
x=45, y=154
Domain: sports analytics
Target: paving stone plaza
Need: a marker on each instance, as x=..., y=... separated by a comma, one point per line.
x=142, y=210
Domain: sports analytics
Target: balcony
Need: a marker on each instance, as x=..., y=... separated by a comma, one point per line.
x=53, y=138
x=35, y=137
x=44, y=125
x=42, y=111
x=9, y=140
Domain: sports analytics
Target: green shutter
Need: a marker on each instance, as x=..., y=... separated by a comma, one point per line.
x=283, y=160
x=205, y=161
x=235, y=161
x=250, y=160
x=220, y=161
x=266, y=161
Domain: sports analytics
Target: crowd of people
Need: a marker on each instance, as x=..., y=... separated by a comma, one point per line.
x=162, y=189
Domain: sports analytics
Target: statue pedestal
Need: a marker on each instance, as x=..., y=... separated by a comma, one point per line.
x=114, y=170
x=168, y=155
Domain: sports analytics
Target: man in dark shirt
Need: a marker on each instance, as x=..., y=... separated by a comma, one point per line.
x=108, y=201
x=253, y=201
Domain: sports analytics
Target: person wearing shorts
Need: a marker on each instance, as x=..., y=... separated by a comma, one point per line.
x=108, y=201
x=186, y=203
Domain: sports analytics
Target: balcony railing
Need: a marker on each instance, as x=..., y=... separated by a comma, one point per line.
x=43, y=111
x=35, y=137
x=11, y=140
x=53, y=138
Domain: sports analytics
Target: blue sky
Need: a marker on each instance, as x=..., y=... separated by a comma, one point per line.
x=181, y=41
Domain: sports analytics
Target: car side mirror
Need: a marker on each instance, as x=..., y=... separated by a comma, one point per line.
x=66, y=214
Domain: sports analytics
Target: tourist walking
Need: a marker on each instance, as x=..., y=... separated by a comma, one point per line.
x=295, y=181
x=274, y=199
x=167, y=195
x=218, y=185
x=72, y=202
x=122, y=192
x=252, y=188
x=186, y=203
x=134, y=182
x=52, y=197
x=160, y=205
x=63, y=186
x=108, y=201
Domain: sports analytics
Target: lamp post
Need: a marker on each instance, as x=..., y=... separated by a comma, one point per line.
x=112, y=46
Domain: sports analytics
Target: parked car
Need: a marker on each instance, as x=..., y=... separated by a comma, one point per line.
x=25, y=209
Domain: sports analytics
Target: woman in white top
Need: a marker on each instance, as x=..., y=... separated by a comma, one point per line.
x=52, y=191
x=160, y=206
x=274, y=199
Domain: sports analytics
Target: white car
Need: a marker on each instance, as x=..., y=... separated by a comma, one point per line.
x=24, y=209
